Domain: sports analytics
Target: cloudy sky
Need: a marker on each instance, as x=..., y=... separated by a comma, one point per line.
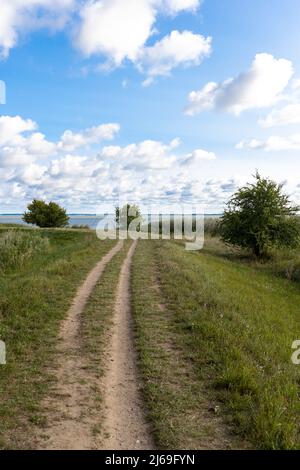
x=152, y=100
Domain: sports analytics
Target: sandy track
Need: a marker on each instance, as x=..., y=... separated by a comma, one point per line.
x=68, y=426
x=125, y=425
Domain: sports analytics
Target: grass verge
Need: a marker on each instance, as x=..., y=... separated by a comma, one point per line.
x=182, y=414
x=215, y=339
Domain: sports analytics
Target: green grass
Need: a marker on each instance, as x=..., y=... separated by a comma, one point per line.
x=284, y=263
x=177, y=402
x=229, y=324
x=33, y=300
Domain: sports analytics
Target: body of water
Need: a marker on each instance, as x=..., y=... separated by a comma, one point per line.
x=91, y=221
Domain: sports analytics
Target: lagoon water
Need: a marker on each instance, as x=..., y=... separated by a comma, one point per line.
x=91, y=221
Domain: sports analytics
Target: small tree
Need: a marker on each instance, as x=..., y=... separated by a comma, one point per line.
x=260, y=217
x=127, y=213
x=45, y=215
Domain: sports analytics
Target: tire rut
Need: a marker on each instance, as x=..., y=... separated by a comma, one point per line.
x=125, y=425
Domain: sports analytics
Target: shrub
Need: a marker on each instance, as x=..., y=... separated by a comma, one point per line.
x=46, y=215
x=260, y=218
x=17, y=247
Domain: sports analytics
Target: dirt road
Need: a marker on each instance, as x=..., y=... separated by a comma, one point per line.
x=125, y=424
x=67, y=426
x=69, y=408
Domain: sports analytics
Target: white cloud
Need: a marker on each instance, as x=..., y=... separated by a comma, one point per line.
x=114, y=30
x=147, y=82
x=31, y=166
x=12, y=126
x=198, y=155
x=20, y=145
x=36, y=144
x=273, y=143
x=289, y=114
x=175, y=143
x=176, y=49
x=70, y=141
x=111, y=27
x=19, y=16
x=108, y=27
x=33, y=174
x=71, y=166
x=260, y=87
x=174, y=6
x=149, y=154
x=12, y=157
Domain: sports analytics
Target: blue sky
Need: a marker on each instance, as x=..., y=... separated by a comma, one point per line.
x=68, y=74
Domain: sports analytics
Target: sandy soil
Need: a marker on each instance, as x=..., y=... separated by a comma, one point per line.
x=125, y=425
x=68, y=427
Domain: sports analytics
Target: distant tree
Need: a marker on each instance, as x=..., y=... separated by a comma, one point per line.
x=260, y=217
x=127, y=214
x=45, y=215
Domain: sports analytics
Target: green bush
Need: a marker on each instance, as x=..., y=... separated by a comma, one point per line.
x=259, y=217
x=46, y=215
x=17, y=247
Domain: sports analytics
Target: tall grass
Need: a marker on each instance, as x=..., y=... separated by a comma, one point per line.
x=17, y=247
x=212, y=226
x=283, y=263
